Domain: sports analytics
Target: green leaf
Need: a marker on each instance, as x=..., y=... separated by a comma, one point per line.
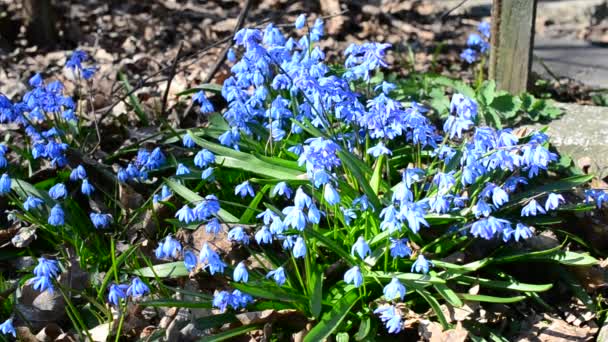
x=578, y=289
x=193, y=197
x=491, y=299
x=214, y=321
x=562, y=257
x=331, y=320
x=316, y=289
x=488, y=92
x=176, y=303
x=365, y=327
x=270, y=291
x=251, y=210
x=434, y=305
x=377, y=176
x=23, y=189
x=212, y=87
x=169, y=270
x=332, y=245
x=228, y=157
x=226, y=335
x=407, y=277
x=505, y=285
x=448, y=294
x=133, y=100
x=351, y=164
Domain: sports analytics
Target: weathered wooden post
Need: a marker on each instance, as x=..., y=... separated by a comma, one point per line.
x=512, y=41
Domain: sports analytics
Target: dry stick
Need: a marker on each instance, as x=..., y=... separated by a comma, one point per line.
x=171, y=76
x=222, y=57
x=446, y=13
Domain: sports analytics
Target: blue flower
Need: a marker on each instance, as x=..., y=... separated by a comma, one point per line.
x=294, y=217
x=7, y=327
x=532, y=208
x=300, y=21
x=469, y=55
x=239, y=299
x=182, y=170
x=36, y=80
x=281, y=189
x=244, y=189
x=316, y=33
x=444, y=181
x=394, y=289
x=100, y=220
x=168, y=248
x=32, y=202
x=76, y=59
x=190, y=260
x=238, y=234
x=362, y=202
x=379, y=150
x=78, y=173
x=221, y=300
x=354, y=276
x=463, y=106
x=231, y=56
x=499, y=196
x=399, y=248
x=553, y=201
x=521, y=231
x=57, y=217
x=200, y=98
x=116, y=293
x=86, y=188
x=278, y=276
x=187, y=141
x=263, y=236
x=207, y=174
x=301, y=200
x=475, y=41
x=185, y=215
x=299, y=248
x=240, y=273
x=361, y=248
x=46, y=268
x=390, y=317
x=57, y=191
x=331, y=195
x=215, y=264
x=203, y=158
x=481, y=209
x=412, y=175
x=137, y=288
x=206, y=254
x=5, y=184
x=42, y=283
x=421, y=265
x=484, y=28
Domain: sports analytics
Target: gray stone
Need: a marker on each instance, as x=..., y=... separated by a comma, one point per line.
x=582, y=132
x=572, y=58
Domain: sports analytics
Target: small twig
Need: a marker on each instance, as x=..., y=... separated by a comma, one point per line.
x=446, y=13
x=171, y=76
x=222, y=57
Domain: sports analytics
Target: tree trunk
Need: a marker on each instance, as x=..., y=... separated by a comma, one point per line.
x=40, y=23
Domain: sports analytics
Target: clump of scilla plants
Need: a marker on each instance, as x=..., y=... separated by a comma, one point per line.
x=346, y=205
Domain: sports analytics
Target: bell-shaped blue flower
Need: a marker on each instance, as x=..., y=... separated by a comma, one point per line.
x=190, y=260
x=244, y=189
x=7, y=327
x=421, y=265
x=58, y=191
x=553, y=201
x=394, y=289
x=240, y=273
x=278, y=276
x=354, y=276
x=32, y=202
x=299, y=248
x=116, y=293
x=86, y=188
x=5, y=184
x=137, y=288
x=361, y=248
x=78, y=173
x=331, y=195
x=57, y=217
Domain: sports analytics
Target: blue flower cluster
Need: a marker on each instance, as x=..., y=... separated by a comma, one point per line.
x=144, y=162
x=44, y=273
x=136, y=289
x=477, y=44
